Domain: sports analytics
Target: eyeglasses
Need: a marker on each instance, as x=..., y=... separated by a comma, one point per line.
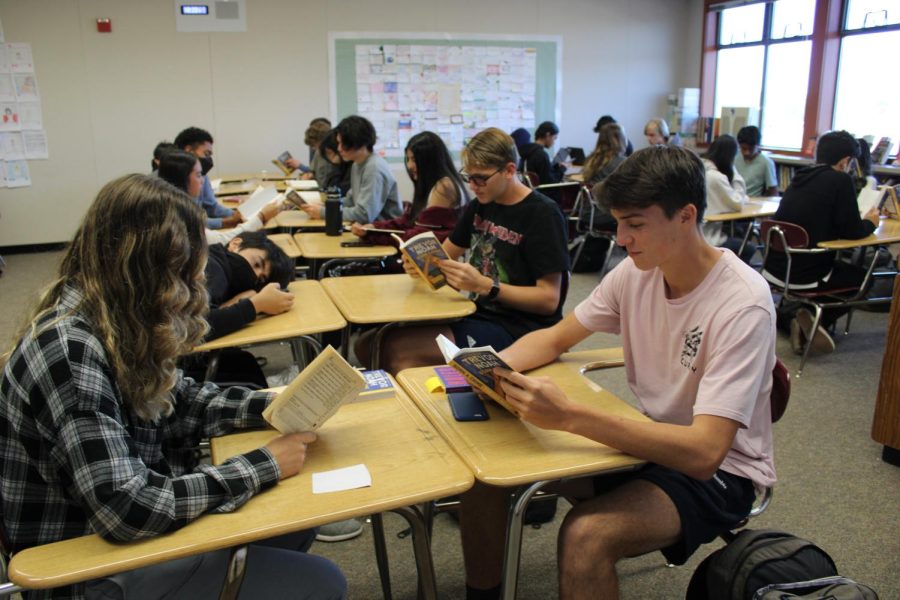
x=479, y=180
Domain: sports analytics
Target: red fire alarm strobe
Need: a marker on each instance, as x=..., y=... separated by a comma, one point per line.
x=104, y=26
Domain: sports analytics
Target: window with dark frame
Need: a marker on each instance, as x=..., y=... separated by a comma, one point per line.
x=807, y=66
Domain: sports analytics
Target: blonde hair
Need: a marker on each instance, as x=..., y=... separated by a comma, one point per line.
x=491, y=147
x=660, y=125
x=611, y=142
x=137, y=260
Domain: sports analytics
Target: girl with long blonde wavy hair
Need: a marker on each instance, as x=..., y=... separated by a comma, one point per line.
x=98, y=428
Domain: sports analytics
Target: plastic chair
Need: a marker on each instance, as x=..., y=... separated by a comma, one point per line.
x=793, y=240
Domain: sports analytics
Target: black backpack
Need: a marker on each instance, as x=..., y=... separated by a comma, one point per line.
x=769, y=561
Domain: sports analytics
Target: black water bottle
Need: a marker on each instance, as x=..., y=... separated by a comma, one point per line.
x=333, y=220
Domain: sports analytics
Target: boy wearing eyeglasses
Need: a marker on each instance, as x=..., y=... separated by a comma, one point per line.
x=513, y=241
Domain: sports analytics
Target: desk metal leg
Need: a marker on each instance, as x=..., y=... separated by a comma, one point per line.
x=345, y=341
x=234, y=575
x=381, y=557
x=212, y=367
x=422, y=549
x=7, y=589
x=520, y=499
x=299, y=346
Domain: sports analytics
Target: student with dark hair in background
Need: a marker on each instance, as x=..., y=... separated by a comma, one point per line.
x=329, y=169
x=757, y=169
x=160, y=149
x=182, y=169
x=199, y=142
x=439, y=194
x=535, y=157
x=822, y=200
x=373, y=190
x=725, y=192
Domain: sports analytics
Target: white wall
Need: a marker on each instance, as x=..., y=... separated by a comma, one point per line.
x=109, y=98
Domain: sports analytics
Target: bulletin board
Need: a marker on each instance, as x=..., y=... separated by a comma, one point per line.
x=453, y=85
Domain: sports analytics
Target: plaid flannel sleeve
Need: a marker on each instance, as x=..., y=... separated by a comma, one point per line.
x=107, y=463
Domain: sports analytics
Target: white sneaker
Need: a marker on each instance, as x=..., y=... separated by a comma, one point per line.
x=339, y=531
x=283, y=377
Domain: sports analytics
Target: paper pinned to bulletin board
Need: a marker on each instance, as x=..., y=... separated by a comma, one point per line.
x=455, y=86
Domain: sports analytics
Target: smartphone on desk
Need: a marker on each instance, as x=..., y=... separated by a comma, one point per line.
x=359, y=244
x=467, y=406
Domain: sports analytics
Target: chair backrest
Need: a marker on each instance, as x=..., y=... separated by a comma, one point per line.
x=783, y=236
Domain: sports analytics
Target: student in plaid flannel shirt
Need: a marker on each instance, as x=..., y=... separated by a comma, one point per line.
x=97, y=427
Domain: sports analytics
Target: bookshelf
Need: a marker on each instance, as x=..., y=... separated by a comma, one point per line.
x=785, y=165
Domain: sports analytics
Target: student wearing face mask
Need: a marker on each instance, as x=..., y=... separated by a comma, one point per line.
x=199, y=142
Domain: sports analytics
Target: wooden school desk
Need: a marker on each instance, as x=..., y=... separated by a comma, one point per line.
x=888, y=232
x=294, y=219
x=251, y=175
x=507, y=452
x=312, y=313
x=408, y=461
x=394, y=300
x=286, y=242
x=324, y=250
x=756, y=208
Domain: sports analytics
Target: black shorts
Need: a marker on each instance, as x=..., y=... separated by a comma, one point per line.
x=706, y=508
x=476, y=330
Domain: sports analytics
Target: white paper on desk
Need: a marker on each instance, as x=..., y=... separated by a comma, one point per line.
x=302, y=184
x=348, y=478
x=214, y=184
x=257, y=200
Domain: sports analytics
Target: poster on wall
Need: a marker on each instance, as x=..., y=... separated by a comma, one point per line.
x=30, y=115
x=9, y=117
x=18, y=56
x=7, y=89
x=26, y=87
x=2, y=173
x=17, y=174
x=35, y=144
x=12, y=146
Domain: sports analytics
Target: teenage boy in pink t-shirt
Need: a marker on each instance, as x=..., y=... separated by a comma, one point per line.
x=698, y=331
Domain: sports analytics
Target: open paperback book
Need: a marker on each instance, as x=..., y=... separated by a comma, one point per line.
x=257, y=200
x=870, y=198
x=315, y=394
x=477, y=366
x=424, y=250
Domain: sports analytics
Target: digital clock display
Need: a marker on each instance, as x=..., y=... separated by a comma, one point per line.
x=194, y=9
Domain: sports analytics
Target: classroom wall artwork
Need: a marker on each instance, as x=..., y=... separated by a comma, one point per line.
x=454, y=87
x=22, y=135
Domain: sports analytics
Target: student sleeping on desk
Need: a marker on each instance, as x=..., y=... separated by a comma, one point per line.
x=97, y=426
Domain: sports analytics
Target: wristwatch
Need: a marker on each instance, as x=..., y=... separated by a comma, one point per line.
x=495, y=290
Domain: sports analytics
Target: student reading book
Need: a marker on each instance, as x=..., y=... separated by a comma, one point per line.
x=477, y=366
x=282, y=163
x=316, y=394
x=424, y=251
x=438, y=197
